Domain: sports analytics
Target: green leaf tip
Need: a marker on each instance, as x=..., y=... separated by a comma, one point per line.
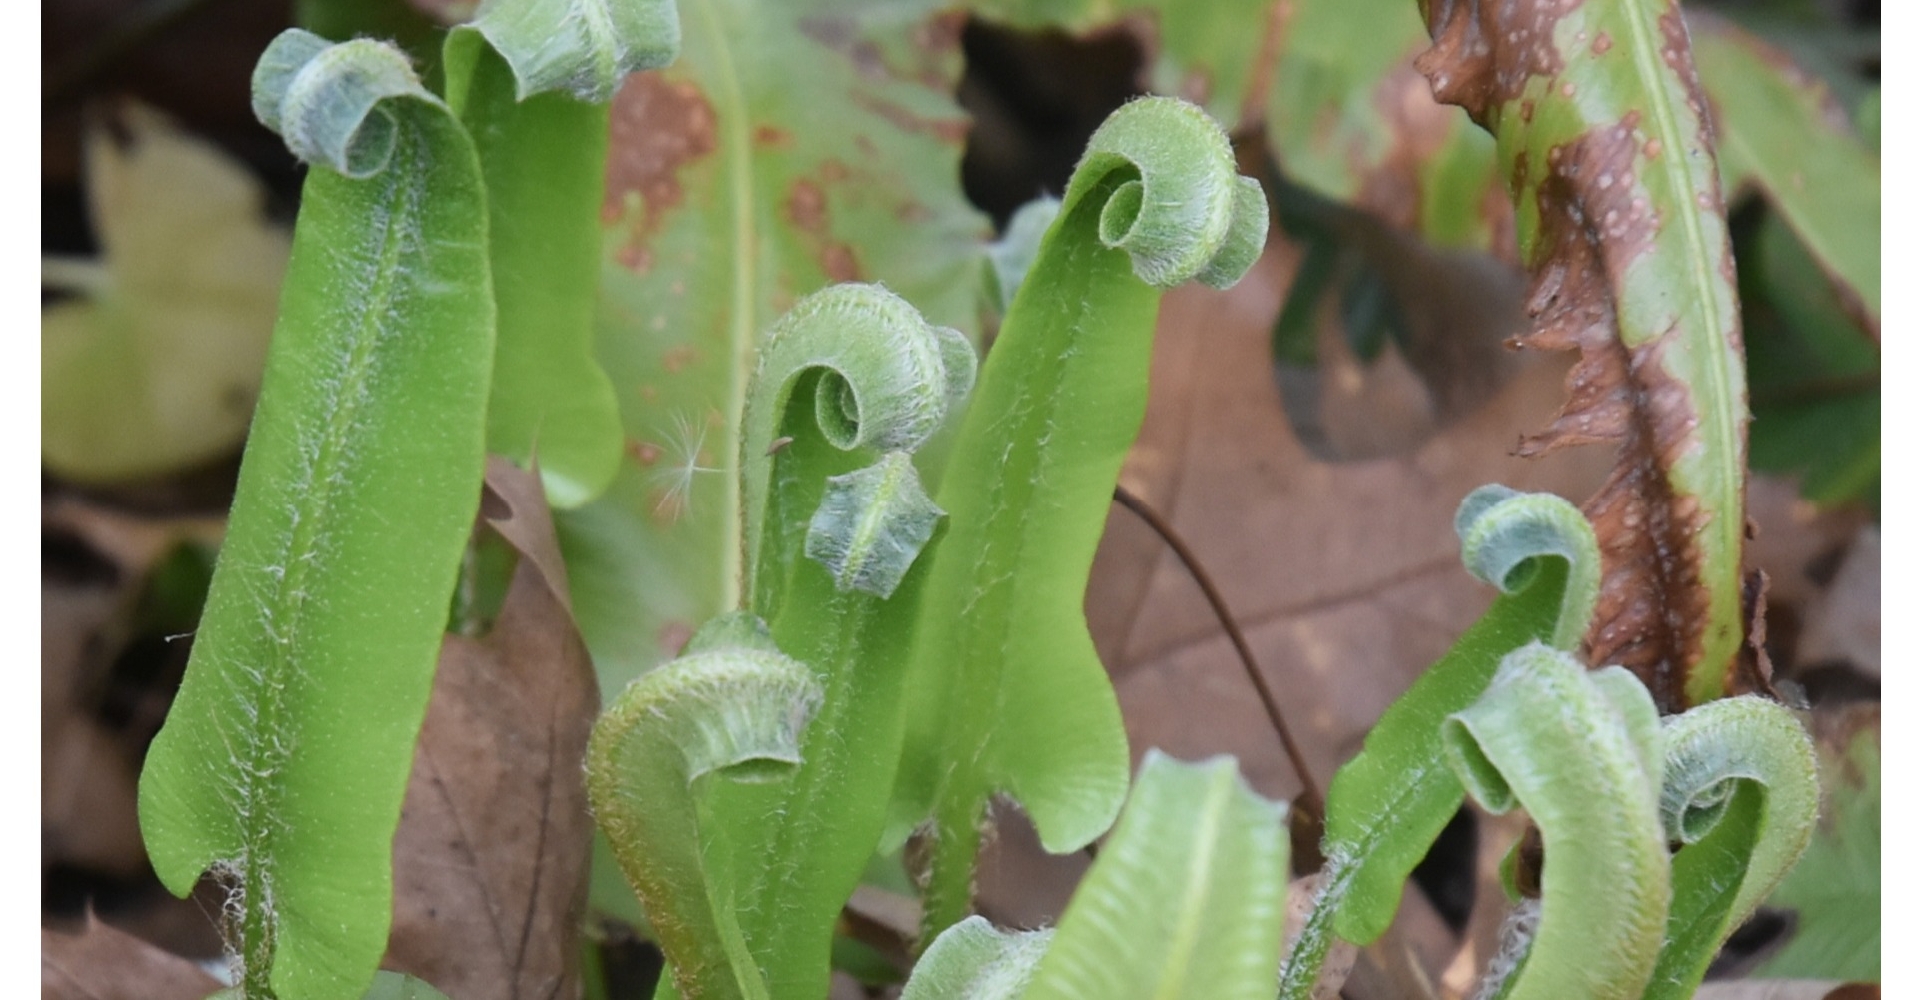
x=1580, y=751
x=734, y=711
x=1187, y=898
x=581, y=47
x=872, y=524
x=973, y=960
x=324, y=99
x=1503, y=535
x=1174, y=201
x=737, y=710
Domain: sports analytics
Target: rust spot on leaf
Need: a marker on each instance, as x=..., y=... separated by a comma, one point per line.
x=676, y=359
x=807, y=209
x=948, y=130
x=807, y=206
x=646, y=453
x=673, y=638
x=1601, y=43
x=838, y=261
x=658, y=126
x=772, y=137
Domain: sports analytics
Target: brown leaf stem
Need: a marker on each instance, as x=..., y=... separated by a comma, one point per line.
x=1309, y=806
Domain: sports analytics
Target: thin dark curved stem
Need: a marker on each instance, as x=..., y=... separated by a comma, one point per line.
x=1309, y=801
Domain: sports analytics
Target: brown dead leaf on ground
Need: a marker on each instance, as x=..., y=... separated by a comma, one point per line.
x=101, y=963
x=1345, y=576
x=1843, y=625
x=95, y=565
x=490, y=862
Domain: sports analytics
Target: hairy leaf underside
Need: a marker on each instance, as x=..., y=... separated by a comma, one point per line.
x=1600, y=119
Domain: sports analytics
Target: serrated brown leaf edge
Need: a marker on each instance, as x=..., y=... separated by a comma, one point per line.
x=490, y=861
x=1595, y=222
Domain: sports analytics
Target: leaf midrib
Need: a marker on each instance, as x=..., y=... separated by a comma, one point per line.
x=266, y=755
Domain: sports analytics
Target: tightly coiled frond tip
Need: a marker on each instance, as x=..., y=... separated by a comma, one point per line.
x=1173, y=198
x=1503, y=535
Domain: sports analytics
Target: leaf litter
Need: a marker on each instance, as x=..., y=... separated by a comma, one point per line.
x=490, y=861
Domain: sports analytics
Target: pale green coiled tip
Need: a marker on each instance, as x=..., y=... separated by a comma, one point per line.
x=584, y=48
x=1176, y=203
x=1503, y=535
x=738, y=710
x=325, y=99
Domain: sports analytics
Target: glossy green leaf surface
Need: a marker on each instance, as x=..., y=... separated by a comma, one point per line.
x=284, y=761
x=1778, y=129
x=544, y=159
x=154, y=364
x=1186, y=900
x=1008, y=694
x=1386, y=806
x=1741, y=794
x=1580, y=752
x=1815, y=374
x=792, y=144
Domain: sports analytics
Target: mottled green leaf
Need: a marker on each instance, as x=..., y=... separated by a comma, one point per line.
x=1208, y=53
x=155, y=363
x=1603, y=133
x=284, y=761
x=1348, y=117
x=792, y=144
x=1778, y=129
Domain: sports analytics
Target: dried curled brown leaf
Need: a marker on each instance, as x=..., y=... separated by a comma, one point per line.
x=490, y=862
